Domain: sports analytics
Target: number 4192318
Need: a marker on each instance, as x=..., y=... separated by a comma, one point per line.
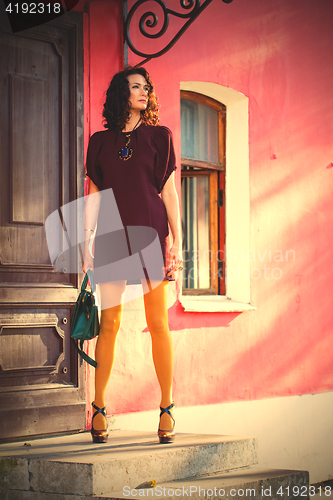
x=304, y=491
x=34, y=8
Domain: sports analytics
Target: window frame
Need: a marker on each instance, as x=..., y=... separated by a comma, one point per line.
x=216, y=172
x=237, y=203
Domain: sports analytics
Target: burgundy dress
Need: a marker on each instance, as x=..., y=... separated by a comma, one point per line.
x=127, y=251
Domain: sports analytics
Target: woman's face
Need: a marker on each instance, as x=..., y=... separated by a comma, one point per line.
x=138, y=92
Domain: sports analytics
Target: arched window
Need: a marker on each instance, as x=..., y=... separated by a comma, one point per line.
x=203, y=188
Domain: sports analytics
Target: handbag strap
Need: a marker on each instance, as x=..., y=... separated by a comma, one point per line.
x=91, y=279
x=85, y=356
x=85, y=281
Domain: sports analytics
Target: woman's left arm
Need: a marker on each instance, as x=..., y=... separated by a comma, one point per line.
x=170, y=199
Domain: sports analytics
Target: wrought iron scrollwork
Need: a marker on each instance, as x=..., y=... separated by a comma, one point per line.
x=149, y=21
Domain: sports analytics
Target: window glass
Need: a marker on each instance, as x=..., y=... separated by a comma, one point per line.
x=195, y=223
x=199, y=131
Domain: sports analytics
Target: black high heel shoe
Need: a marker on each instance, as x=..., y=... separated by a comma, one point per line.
x=167, y=436
x=99, y=436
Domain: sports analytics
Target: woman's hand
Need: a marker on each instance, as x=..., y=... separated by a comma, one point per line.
x=175, y=259
x=91, y=215
x=88, y=261
x=171, y=203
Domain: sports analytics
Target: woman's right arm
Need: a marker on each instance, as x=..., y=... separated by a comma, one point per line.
x=90, y=221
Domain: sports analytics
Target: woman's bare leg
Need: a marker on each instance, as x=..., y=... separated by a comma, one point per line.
x=157, y=321
x=110, y=295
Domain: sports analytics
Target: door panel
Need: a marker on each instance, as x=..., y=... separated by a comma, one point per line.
x=41, y=167
x=37, y=343
x=27, y=157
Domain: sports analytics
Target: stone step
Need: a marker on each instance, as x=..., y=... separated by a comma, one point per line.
x=243, y=484
x=73, y=465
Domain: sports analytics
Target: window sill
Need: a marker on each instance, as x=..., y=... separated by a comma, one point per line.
x=213, y=303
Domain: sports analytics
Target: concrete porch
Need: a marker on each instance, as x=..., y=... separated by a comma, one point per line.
x=195, y=466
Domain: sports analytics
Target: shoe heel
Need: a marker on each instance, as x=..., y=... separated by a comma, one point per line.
x=166, y=437
x=102, y=435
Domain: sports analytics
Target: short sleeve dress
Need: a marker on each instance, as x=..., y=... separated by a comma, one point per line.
x=136, y=186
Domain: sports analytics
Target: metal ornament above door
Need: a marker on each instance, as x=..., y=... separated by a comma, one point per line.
x=149, y=21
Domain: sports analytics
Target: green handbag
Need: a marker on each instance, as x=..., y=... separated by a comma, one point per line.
x=85, y=323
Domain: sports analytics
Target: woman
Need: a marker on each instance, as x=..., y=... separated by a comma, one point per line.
x=135, y=158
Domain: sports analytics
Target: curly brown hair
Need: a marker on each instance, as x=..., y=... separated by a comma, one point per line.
x=116, y=110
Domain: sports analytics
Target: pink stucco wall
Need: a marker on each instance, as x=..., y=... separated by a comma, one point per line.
x=279, y=55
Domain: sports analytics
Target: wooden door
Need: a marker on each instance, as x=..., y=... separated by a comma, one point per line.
x=41, y=169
